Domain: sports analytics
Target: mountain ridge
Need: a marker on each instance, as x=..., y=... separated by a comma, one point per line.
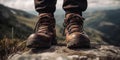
x=8, y=20
x=107, y=22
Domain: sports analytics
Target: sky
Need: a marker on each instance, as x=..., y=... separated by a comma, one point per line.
x=28, y=5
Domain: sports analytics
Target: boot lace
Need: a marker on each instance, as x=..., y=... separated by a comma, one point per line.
x=44, y=24
x=74, y=20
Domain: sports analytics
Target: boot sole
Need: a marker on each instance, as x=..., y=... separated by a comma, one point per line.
x=78, y=44
x=38, y=44
x=75, y=46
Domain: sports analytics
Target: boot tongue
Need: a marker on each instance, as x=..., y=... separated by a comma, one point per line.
x=74, y=23
x=74, y=26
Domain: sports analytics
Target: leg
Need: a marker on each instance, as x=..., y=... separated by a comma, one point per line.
x=73, y=23
x=75, y=6
x=45, y=6
x=45, y=34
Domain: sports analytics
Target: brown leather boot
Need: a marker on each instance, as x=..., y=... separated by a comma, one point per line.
x=75, y=37
x=45, y=34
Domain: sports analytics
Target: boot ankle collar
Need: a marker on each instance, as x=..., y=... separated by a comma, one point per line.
x=46, y=14
x=67, y=16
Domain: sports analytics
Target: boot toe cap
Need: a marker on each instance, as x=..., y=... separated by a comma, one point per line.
x=35, y=40
x=77, y=40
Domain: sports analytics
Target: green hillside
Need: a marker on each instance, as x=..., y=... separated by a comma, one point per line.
x=12, y=23
x=107, y=22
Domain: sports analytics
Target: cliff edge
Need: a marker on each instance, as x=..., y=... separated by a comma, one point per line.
x=96, y=52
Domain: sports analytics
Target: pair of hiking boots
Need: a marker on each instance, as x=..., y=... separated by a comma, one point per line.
x=45, y=33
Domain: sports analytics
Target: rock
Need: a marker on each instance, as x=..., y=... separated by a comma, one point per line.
x=97, y=52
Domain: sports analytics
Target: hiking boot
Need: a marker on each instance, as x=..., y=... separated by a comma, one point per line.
x=75, y=36
x=45, y=34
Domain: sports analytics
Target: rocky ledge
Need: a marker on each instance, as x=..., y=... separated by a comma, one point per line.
x=96, y=52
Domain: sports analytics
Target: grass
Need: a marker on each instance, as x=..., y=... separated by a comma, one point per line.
x=29, y=22
x=10, y=46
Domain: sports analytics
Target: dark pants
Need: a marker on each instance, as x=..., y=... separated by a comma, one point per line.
x=70, y=6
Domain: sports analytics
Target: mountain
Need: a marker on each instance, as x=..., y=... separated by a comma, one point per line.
x=14, y=23
x=107, y=22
